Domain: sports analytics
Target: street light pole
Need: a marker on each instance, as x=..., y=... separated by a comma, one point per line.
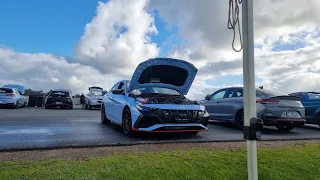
x=249, y=90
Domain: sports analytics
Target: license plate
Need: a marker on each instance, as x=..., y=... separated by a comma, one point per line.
x=58, y=102
x=290, y=114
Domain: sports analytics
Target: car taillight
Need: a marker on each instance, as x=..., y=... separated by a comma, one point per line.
x=10, y=95
x=268, y=101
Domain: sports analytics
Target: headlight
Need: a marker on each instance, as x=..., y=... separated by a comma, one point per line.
x=202, y=107
x=142, y=107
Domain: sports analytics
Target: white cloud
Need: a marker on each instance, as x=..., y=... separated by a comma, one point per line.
x=45, y=72
x=118, y=37
x=203, y=25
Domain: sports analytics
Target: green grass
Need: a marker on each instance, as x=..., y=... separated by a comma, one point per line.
x=298, y=162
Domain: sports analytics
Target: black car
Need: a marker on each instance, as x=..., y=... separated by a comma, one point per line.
x=59, y=98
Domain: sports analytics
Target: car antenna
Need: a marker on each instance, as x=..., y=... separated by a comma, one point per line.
x=316, y=88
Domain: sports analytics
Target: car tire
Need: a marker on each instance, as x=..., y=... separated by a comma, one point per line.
x=240, y=119
x=318, y=119
x=46, y=107
x=286, y=127
x=127, y=122
x=104, y=119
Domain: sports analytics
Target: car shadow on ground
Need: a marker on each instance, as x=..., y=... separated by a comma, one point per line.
x=266, y=129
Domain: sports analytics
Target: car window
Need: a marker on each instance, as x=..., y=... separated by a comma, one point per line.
x=17, y=92
x=314, y=96
x=114, y=87
x=268, y=93
x=121, y=86
x=96, y=93
x=234, y=93
x=219, y=94
x=59, y=94
x=5, y=90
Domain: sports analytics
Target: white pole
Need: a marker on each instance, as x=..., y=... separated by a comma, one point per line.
x=249, y=90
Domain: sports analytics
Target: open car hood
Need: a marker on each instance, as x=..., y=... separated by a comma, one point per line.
x=164, y=72
x=17, y=86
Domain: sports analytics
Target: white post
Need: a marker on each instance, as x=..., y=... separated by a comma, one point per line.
x=249, y=90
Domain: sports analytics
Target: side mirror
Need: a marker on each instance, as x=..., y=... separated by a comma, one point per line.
x=207, y=97
x=117, y=91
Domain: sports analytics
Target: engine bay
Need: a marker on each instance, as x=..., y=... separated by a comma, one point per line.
x=168, y=100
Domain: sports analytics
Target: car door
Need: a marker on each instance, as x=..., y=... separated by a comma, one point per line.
x=109, y=103
x=231, y=103
x=23, y=99
x=213, y=105
x=311, y=103
x=18, y=97
x=119, y=102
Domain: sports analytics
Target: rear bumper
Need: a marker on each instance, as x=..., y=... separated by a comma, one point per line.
x=59, y=105
x=7, y=102
x=274, y=122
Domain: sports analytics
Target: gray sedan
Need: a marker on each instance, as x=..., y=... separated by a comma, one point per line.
x=275, y=109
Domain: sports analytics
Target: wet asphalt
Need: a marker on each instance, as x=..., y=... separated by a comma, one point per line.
x=38, y=128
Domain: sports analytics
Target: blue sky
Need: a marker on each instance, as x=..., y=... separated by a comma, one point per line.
x=58, y=25
x=44, y=26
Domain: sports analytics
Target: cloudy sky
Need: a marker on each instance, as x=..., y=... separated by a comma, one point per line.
x=75, y=44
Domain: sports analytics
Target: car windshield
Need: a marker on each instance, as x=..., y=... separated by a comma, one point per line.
x=96, y=93
x=59, y=94
x=5, y=90
x=155, y=90
x=263, y=93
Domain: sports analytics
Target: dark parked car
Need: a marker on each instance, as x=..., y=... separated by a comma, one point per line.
x=275, y=109
x=311, y=103
x=59, y=98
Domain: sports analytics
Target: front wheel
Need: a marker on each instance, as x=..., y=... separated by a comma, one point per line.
x=104, y=119
x=127, y=122
x=240, y=119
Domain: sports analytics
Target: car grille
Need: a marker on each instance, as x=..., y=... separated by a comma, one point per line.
x=180, y=116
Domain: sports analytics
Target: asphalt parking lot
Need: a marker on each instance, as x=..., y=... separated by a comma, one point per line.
x=32, y=128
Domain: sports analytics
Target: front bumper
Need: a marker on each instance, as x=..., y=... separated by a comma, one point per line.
x=173, y=128
x=157, y=121
x=96, y=103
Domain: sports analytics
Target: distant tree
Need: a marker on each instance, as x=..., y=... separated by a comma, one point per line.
x=30, y=92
